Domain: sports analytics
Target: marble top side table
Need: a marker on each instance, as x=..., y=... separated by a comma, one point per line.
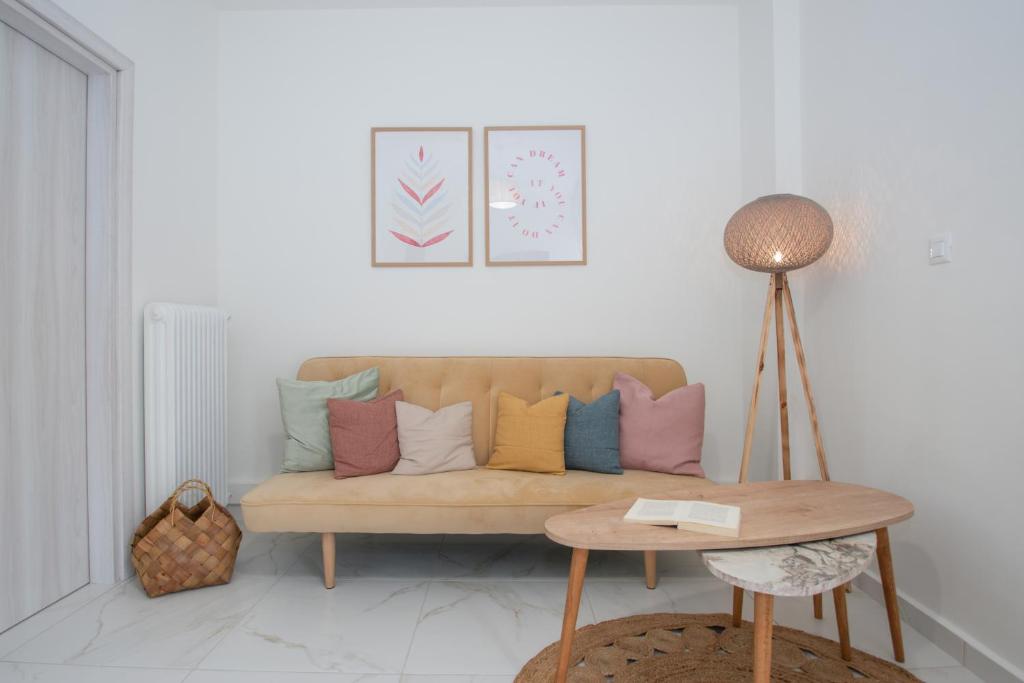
x=798, y=570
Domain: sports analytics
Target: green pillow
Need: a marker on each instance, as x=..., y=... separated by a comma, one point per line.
x=304, y=414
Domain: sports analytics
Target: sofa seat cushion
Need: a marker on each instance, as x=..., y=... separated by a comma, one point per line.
x=467, y=501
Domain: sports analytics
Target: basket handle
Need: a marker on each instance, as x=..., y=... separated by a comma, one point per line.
x=189, y=485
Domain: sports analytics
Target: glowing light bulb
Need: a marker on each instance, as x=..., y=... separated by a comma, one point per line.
x=778, y=257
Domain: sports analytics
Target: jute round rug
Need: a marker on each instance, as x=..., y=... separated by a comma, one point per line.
x=701, y=648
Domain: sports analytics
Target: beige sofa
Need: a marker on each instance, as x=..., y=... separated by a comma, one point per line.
x=467, y=502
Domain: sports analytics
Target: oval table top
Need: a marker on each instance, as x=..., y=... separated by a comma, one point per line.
x=773, y=513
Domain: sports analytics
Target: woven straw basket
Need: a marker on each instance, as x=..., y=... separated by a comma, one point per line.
x=178, y=548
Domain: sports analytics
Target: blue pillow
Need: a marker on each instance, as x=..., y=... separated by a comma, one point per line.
x=592, y=434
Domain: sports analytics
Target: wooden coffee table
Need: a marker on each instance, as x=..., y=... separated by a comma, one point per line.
x=774, y=513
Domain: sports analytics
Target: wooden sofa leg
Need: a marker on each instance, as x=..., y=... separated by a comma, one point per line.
x=327, y=545
x=651, y=568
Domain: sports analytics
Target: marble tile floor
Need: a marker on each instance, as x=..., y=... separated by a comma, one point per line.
x=413, y=609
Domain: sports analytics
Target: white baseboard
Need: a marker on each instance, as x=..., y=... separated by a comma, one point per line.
x=237, y=489
x=981, y=661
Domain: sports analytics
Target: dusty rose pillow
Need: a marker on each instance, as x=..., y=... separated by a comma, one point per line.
x=364, y=435
x=664, y=435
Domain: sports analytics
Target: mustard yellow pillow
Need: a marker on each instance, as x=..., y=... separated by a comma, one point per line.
x=530, y=438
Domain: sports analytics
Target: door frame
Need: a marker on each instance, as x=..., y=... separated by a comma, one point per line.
x=113, y=474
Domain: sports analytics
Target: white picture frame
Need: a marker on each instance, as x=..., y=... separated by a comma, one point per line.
x=421, y=197
x=535, y=195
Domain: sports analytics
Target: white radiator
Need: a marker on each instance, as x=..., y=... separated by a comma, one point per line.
x=184, y=379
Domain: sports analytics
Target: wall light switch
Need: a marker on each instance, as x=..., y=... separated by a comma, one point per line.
x=940, y=249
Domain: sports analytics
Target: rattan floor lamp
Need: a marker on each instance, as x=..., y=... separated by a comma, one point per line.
x=777, y=234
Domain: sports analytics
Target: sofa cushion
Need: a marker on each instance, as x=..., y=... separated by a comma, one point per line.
x=530, y=438
x=592, y=434
x=364, y=435
x=304, y=414
x=467, y=501
x=431, y=441
x=664, y=434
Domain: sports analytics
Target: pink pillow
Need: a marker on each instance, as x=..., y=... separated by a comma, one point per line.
x=664, y=435
x=364, y=435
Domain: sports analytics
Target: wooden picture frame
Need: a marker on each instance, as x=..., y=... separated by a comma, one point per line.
x=558, y=178
x=418, y=209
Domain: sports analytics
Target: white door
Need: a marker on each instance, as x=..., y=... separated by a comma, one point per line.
x=44, y=553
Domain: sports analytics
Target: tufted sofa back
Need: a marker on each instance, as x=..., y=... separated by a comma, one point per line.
x=442, y=381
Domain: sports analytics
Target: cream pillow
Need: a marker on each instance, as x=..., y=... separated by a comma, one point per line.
x=434, y=442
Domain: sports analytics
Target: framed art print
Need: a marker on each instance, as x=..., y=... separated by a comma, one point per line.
x=421, y=197
x=536, y=194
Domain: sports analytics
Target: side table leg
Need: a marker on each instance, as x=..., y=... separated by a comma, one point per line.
x=763, y=603
x=842, y=622
x=651, y=568
x=737, y=606
x=818, y=613
x=892, y=605
x=577, y=570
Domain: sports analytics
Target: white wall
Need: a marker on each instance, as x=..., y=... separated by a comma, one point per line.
x=912, y=118
x=174, y=48
x=656, y=86
x=909, y=126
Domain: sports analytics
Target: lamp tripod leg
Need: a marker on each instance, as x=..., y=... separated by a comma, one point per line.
x=805, y=379
x=778, y=280
x=748, y=439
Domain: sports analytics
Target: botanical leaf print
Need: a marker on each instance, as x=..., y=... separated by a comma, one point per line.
x=420, y=204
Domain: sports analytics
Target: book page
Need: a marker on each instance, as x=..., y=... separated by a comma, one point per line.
x=655, y=509
x=705, y=513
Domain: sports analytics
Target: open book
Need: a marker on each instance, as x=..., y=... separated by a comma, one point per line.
x=691, y=515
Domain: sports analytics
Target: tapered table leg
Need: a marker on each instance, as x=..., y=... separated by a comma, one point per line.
x=892, y=605
x=577, y=569
x=737, y=606
x=651, y=568
x=842, y=622
x=818, y=613
x=763, y=603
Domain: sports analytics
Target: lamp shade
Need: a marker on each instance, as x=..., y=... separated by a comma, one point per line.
x=778, y=233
